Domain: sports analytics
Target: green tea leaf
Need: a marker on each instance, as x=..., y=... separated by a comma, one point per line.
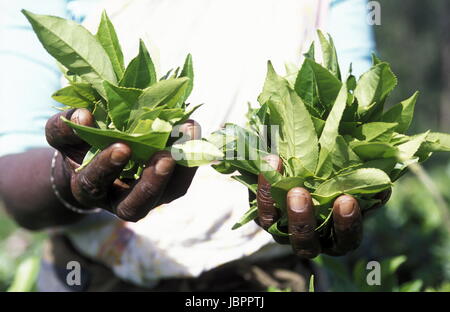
x=195, y=153
x=188, y=71
x=408, y=150
x=272, y=176
x=275, y=229
x=402, y=113
x=121, y=101
x=249, y=180
x=311, y=52
x=360, y=181
x=306, y=84
x=319, y=124
x=90, y=155
x=375, y=60
x=74, y=47
x=70, y=97
x=224, y=167
x=375, y=85
x=160, y=125
x=351, y=83
x=86, y=90
x=373, y=150
x=298, y=168
x=328, y=86
x=142, y=126
x=298, y=133
x=241, y=148
x=343, y=156
x=143, y=146
x=329, y=54
x=140, y=73
x=330, y=133
x=101, y=116
x=384, y=164
x=250, y=215
x=375, y=131
x=273, y=85
x=107, y=37
x=166, y=92
x=437, y=142
x=146, y=114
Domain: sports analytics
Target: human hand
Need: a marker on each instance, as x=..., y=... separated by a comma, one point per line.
x=305, y=242
x=98, y=184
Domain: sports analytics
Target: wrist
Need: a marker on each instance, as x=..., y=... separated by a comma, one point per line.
x=61, y=176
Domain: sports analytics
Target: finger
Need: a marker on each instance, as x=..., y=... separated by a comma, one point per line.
x=267, y=212
x=182, y=176
x=90, y=186
x=347, y=224
x=191, y=130
x=60, y=136
x=147, y=191
x=302, y=223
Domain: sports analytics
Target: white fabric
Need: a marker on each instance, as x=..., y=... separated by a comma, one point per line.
x=231, y=41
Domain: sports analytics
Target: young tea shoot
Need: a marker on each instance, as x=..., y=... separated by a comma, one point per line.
x=129, y=103
x=334, y=134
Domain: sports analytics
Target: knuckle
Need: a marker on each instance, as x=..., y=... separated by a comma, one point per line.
x=264, y=196
x=266, y=221
x=301, y=229
x=88, y=189
x=148, y=190
x=126, y=213
x=130, y=211
x=307, y=253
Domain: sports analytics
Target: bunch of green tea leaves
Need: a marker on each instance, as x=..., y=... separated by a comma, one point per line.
x=129, y=103
x=335, y=136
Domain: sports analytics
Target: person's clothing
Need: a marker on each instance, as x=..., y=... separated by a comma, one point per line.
x=282, y=272
x=230, y=41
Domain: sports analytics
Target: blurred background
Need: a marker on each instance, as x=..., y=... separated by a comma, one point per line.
x=411, y=236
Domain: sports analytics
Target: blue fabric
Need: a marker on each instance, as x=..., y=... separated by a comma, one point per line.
x=29, y=75
x=352, y=35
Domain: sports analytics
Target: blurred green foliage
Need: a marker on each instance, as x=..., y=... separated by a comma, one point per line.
x=411, y=37
x=20, y=251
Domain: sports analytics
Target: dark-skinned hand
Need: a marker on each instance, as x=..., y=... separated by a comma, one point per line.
x=346, y=219
x=97, y=185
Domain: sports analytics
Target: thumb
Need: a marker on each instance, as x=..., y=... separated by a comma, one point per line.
x=182, y=176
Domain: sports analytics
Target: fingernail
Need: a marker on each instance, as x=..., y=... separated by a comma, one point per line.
x=346, y=208
x=164, y=166
x=298, y=201
x=274, y=162
x=119, y=156
x=82, y=117
x=192, y=129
